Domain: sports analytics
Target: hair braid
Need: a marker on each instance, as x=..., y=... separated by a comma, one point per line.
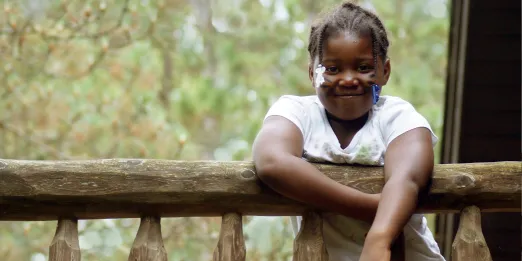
x=351, y=18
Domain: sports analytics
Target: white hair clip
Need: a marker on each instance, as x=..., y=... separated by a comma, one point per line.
x=319, y=80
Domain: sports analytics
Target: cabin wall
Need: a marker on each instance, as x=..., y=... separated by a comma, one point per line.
x=483, y=110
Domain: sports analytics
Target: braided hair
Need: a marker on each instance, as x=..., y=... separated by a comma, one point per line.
x=351, y=18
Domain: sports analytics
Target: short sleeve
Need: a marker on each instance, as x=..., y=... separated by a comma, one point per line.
x=291, y=108
x=399, y=117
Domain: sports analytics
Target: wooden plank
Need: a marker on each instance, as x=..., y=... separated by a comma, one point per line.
x=484, y=148
x=469, y=243
x=488, y=6
x=480, y=73
x=148, y=244
x=65, y=245
x=500, y=21
x=231, y=244
x=473, y=124
x=507, y=49
x=502, y=233
x=309, y=244
x=118, y=188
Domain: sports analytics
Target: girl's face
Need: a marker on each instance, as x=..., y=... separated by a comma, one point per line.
x=349, y=72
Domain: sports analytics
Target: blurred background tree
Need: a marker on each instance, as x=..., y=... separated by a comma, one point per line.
x=176, y=79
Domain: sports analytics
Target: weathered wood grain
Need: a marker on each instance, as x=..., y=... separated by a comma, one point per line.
x=231, y=244
x=469, y=243
x=65, y=245
x=309, y=244
x=117, y=188
x=148, y=244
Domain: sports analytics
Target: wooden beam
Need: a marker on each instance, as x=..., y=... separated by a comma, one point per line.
x=118, y=188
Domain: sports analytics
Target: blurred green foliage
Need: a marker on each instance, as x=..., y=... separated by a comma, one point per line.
x=176, y=79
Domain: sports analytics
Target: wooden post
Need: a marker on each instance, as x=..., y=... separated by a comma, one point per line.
x=469, y=243
x=231, y=244
x=148, y=244
x=309, y=244
x=65, y=245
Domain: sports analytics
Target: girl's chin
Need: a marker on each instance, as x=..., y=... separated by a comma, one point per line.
x=349, y=116
x=349, y=107
x=350, y=113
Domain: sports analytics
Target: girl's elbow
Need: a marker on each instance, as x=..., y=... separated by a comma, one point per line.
x=265, y=171
x=406, y=183
x=267, y=168
x=420, y=181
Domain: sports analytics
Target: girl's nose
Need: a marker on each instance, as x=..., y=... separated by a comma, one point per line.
x=348, y=79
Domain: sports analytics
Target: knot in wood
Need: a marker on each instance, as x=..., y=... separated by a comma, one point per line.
x=132, y=162
x=464, y=181
x=247, y=173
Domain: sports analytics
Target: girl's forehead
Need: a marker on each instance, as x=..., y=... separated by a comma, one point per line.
x=347, y=45
x=347, y=35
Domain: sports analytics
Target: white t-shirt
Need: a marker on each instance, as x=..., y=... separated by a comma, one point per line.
x=389, y=118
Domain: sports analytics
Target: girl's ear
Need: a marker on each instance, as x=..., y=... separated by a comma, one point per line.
x=310, y=73
x=387, y=71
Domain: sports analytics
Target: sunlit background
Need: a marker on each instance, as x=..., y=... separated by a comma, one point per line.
x=178, y=79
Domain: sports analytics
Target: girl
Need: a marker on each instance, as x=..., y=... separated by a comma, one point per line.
x=347, y=122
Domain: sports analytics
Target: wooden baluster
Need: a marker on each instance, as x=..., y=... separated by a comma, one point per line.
x=309, y=244
x=231, y=244
x=469, y=243
x=148, y=244
x=65, y=245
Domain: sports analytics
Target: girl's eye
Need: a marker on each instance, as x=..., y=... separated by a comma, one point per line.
x=332, y=69
x=365, y=68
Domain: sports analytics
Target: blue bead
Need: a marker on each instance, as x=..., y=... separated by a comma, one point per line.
x=375, y=93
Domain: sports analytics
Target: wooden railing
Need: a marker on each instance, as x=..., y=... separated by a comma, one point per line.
x=150, y=189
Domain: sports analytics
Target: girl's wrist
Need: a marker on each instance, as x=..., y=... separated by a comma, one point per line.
x=379, y=238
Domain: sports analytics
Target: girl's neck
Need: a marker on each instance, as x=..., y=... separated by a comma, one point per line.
x=347, y=125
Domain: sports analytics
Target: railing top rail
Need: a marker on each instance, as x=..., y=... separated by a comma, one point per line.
x=117, y=188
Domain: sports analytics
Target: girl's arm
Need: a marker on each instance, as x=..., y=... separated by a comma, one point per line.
x=408, y=166
x=277, y=153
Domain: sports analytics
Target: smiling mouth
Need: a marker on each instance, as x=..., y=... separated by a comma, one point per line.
x=349, y=95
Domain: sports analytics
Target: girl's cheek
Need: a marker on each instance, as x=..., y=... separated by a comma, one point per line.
x=328, y=79
x=370, y=77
